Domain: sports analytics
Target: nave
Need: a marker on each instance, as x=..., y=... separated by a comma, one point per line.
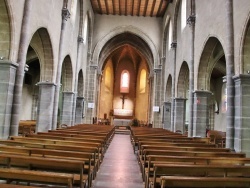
x=119, y=168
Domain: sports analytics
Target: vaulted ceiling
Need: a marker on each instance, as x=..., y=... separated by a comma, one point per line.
x=153, y=8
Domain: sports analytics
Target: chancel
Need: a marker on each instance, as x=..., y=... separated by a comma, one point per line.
x=155, y=89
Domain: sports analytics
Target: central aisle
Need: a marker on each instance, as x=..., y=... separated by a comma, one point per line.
x=119, y=168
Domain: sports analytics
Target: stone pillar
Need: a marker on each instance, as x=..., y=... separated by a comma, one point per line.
x=90, y=93
x=173, y=47
x=229, y=54
x=65, y=17
x=79, y=110
x=242, y=114
x=201, y=112
x=7, y=81
x=21, y=61
x=191, y=23
x=180, y=114
x=45, y=106
x=67, y=107
x=157, y=97
x=167, y=115
x=78, y=61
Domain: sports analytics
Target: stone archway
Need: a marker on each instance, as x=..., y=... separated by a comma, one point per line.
x=66, y=92
x=5, y=30
x=41, y=50
x=242, y=84
x=79, y=112
x=167, y=104
x=181, y=102
x=114, y=41
x=7, y=68
x=210, y=98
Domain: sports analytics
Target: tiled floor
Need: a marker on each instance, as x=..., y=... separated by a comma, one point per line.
x=119, y=168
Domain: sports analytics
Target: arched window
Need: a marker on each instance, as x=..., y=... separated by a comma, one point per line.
x=143, y=81
x=73, y=10
x=183, y=14
x=170, y=35
x=85, y=30
x=124, y=87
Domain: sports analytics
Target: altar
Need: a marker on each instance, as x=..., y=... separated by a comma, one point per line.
x=121, y=122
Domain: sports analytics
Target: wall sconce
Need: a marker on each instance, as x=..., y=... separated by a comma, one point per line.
x=2, y=57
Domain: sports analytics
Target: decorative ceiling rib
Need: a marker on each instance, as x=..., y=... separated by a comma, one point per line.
x=152, y=8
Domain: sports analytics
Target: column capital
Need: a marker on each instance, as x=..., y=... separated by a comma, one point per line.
x=191, y=20
x=8, y=63
x=157, y=70
x=45, y=83
x=95, y=67
x=203, y=92
x=174, y=45
x=65, y=14
x=241, y=77
x=68, y=92
x=80, y=39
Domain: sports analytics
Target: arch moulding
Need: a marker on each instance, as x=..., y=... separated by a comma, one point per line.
x=119, y=30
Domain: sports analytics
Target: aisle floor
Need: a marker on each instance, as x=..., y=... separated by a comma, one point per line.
x=119, y=168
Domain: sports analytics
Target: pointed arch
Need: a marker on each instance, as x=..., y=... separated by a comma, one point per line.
x=80, y=86
x=67, y=74
x=5, y=30
x=183, y=80
x=245, y=49
x=149, y=47
x=211, y=54
x=168, y=93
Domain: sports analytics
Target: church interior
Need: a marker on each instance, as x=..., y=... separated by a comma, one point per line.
x=124, y=93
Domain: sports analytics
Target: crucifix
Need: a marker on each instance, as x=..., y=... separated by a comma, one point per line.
x=123, y=100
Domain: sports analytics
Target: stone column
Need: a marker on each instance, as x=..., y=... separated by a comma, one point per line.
x=91, y=92
x=78, y=61
x=242, y=114
x=67, y=107
x=7, y=81
x=65, y=17
x=45, y=106
x=79, y=110
x=201, y=112
x=180, y=114
x=167, y=115
x=191, y=23
x=229, y=54
x=173, y=47
x=157, y=97
x=21, y=61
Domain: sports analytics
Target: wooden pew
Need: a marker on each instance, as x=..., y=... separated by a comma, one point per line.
x=48, y=164
x=160, y=159
x=26, y=127
x=197, y=170
x=4, y=185
x=37, y=176
x=205, y=182
x=217, y=137
x=57, y=154
x=147, y=152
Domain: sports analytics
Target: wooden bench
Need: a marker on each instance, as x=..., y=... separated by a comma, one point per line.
x=48, y=164
x=37, y=176
x=4, y=185
x=217, y=137
x=26, y=127
x=56, y=154
x=159, y=159
x=197, y=171
x=205, y=182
